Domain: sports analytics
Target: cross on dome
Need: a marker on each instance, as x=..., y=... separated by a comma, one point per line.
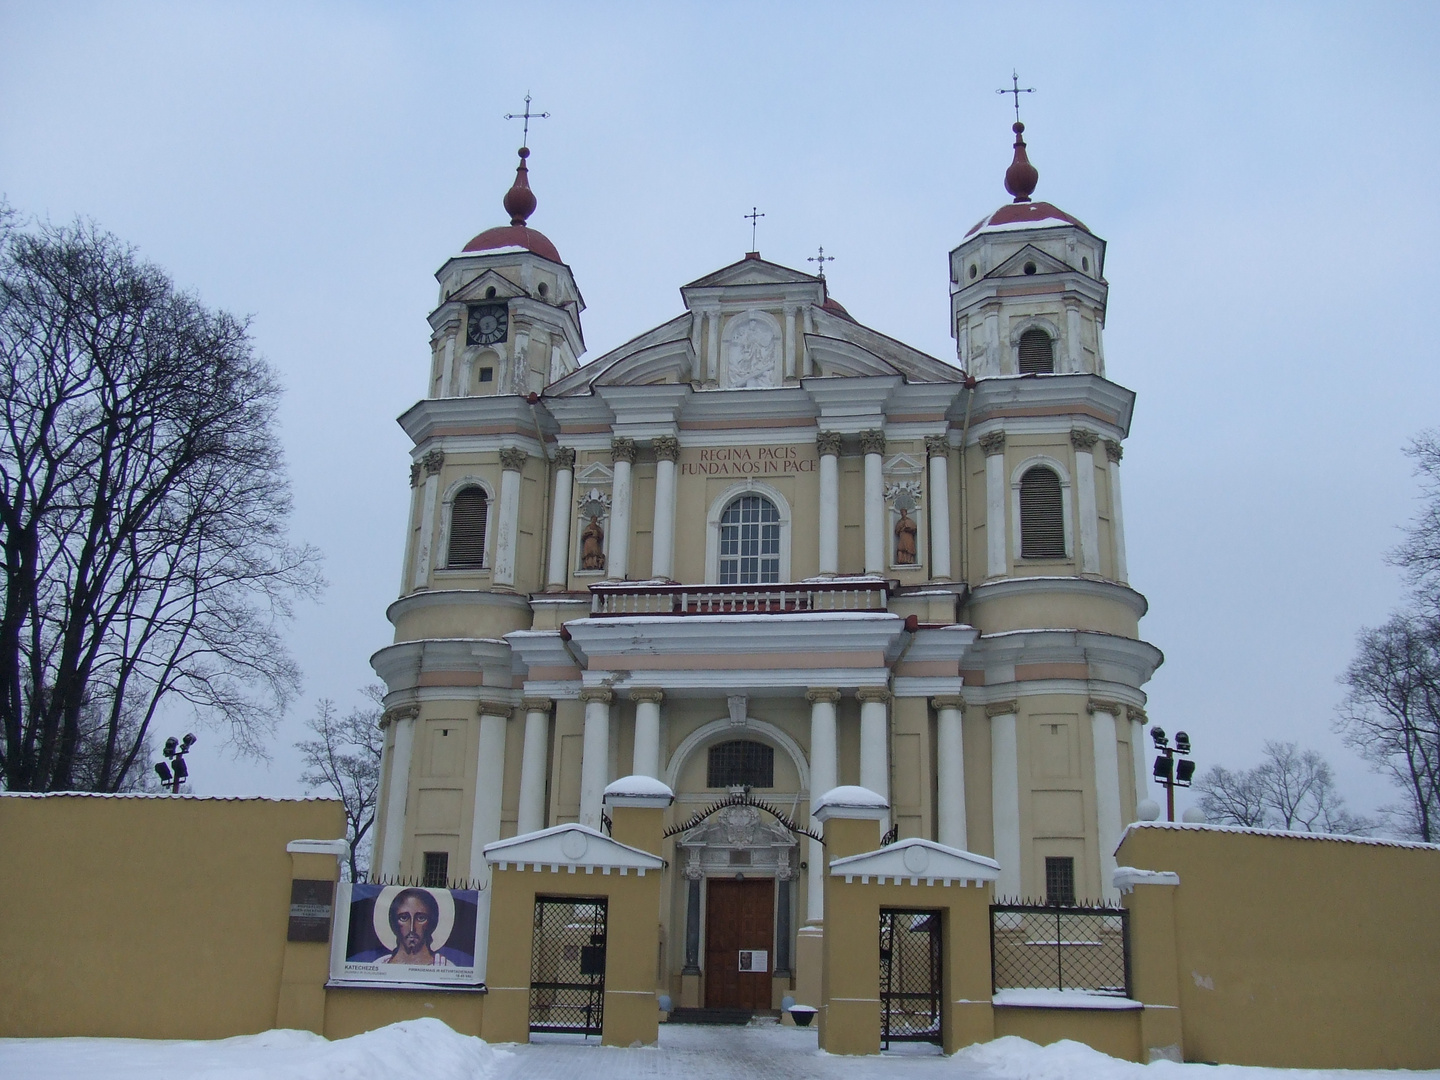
x=821, y=259
x=755, y=215
x=1014, y=78
x=527, y=116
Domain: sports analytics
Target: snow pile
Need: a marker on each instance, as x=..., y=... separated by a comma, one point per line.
x=425, y=1049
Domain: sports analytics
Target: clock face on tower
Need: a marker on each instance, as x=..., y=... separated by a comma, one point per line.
x=487, y=324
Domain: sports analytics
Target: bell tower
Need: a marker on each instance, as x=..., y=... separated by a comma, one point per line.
x=508, y=321
x=1027, y=287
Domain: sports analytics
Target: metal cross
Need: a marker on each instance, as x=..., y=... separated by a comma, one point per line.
x=754, y=217
x=1014, y=78
x=527, y=116
x=822, y=259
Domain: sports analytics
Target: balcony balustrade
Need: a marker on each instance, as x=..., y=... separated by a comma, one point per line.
x=782, y=598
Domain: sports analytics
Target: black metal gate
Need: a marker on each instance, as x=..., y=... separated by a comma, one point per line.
x=567, y=965
x=910, y=974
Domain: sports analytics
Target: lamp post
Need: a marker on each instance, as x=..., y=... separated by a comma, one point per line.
x=1169, y=772
x=176, y=773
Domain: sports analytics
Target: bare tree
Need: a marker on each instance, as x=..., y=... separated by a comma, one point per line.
x=1391, y=714
x=143, y=509
x=345, y=759
x=1291, y=789
x=1419, y=554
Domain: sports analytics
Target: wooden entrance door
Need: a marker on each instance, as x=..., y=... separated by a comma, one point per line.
x=740, y=915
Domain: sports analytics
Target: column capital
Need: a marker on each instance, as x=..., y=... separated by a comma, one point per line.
x=822, y=693
x=512, y=458
x=667, y=448
x=399, y=712
x=622, y=449
x=1083, y=440
x=949, y=701
x=828, y=442
x=1002, y=708
x=597, y=693
x=565, y=457
x=937, y=445
x=502, y=709
x=1114, y=708
x=537, y=704
x=433, y=462
x=1133, y=713
x=872, y=441
x=1114, y=451
x=992, y=443
x=414, y=473
x=650, y=694
x=869, y=695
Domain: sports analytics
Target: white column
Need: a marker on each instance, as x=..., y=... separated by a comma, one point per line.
x=993, y=446
x=1140, y=755
x=489, y=785
x=875, y=743
x=447, y=378
x=789, y=343
x=1113, y=453
x=824, y=775
x=662, y=563
x=558, y=575
x=1073, y=347
x=534, y=766
x=594, y=754
x=431, y=463
x=1084, y=444
x=646, y=760
x=712, y=351
x=938, y=447
x=623, y=454
x=403, y=721
x=512, y=460
x=808, y=322
x=1005, y=796
x=828, y=445
x=873, y=444
x=950, y=772
x=1103, y=716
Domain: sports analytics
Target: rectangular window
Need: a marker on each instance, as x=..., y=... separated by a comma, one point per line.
x=1059, y=879
x=437, y=869
x=487, y=374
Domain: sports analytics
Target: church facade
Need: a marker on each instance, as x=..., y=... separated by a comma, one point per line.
x=757, y=552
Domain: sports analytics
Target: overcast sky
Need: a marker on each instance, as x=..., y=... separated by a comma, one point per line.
x=1264, y=175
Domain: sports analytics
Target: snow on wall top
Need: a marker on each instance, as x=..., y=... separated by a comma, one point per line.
x=1375, y=841
x=160, y=795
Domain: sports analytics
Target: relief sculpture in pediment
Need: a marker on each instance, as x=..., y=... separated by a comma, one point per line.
x=752, y=351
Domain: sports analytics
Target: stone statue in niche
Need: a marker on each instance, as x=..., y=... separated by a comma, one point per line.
x=752, y=352
x=905, y=550
x=592, y=546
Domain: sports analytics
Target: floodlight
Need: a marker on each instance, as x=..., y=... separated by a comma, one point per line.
x=164, y=771
x=170, y=745
x=188, y=741
x=1158, y=734
x=1184, y=771
x=181, y=770
x=1163, y=769
x=1182, y=742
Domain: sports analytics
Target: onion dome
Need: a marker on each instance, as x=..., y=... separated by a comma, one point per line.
x=519, y=204
x=1020, y=180
x=1021, y=177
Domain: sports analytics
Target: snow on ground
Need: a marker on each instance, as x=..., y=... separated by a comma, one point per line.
x=428, y=1049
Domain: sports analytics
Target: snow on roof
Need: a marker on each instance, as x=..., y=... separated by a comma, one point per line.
x=1374, y=841
x=639, y=785
x=161, y=795
x=850, y=795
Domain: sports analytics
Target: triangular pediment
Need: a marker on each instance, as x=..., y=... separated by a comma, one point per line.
x=752, y=272
x=505, y=289
x=573, y=846
x=1029, y=255
x=916, y=861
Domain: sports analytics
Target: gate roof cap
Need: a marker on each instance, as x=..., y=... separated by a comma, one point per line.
x=849, y=801
x=917, y=860
x=554, y=847
x=638, y=790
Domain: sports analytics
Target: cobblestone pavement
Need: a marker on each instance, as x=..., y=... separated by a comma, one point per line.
x=764, y=1050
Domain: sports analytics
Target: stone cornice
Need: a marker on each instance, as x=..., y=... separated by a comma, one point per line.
x=1005, y=588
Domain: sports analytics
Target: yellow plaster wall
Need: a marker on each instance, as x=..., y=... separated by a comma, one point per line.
x=1296, y=952
x=1111, y=1031
x=157, y=918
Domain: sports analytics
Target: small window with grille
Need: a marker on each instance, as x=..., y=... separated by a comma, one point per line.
x=737, y=763
x=1037, y=353
x=467, y=529
x=1042, y=515
x=437, y=869
x=1059, y=879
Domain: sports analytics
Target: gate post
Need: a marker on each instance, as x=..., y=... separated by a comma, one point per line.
x=850, y=950
x=1149, y=895
x=632, y=1013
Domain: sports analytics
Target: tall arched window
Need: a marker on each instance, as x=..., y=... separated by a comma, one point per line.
x=1042, y=515
x=467, y=528
x=1037, y=353
x=750, y=542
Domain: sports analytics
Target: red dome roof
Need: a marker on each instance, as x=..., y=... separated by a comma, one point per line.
x=1026, y=215
x=515, y=236
x=836, y=308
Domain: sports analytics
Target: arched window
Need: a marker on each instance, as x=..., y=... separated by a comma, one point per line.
x=741, y=762
x=467, y=529
x=750, y=542
x=1042, y=515
x=1037, y=353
